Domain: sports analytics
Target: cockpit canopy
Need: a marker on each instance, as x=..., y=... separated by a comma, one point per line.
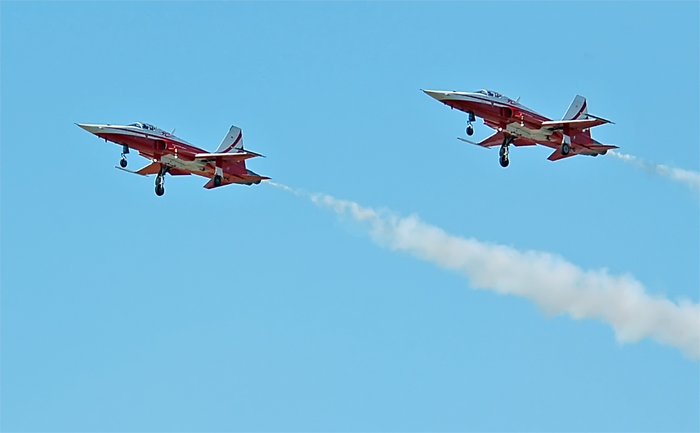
x=493, y=94
x=489, y=93
x=143, y=126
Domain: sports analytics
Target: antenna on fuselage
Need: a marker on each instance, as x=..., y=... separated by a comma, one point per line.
x=173, y=133
x=517, y=99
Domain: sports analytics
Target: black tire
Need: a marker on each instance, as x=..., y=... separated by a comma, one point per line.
x=123, y=163
x=470, y=130
x=160, y=190
x=504, y=162
x=565, y=149
x=217, y=180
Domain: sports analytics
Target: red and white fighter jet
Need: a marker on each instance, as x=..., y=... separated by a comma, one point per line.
x=173, y=155
x=518, y=125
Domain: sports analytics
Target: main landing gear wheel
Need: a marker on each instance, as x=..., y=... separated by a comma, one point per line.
x=217, y=180
x=160, y=185
x=503, y=153
x=160, y=180
x=565, y=149
x=470, y=129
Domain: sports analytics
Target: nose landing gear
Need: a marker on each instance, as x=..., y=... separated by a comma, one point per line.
x=470, y=128
x=125, y=151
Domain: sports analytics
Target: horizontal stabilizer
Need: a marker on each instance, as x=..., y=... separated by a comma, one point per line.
x=557, y=155
x=587, y=149
x=244, y=179
x=601, y=147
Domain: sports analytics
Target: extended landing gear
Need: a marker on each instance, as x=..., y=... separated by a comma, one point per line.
x=160, y=185
x=565, y=149
x=504, y=157
x=125, y=151
x=217, y=180
x=160, y=181
x=503, y=153
x=470, y=127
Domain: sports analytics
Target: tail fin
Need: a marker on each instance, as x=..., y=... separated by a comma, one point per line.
x=233, y=142
x=577, y=110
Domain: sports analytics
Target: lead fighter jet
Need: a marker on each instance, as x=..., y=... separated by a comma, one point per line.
x=173, y=155
x=520, y=126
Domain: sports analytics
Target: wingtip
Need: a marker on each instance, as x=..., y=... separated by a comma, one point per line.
x=470, y=142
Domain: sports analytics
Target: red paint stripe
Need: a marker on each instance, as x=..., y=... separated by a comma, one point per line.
x=583, y=107
x=240, y=135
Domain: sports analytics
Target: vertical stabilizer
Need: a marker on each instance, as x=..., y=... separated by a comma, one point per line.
x=233, y=142
x=577, y=110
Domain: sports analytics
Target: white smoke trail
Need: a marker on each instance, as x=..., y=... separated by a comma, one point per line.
x=549, y=281
x=688, y=177
x=283, y=187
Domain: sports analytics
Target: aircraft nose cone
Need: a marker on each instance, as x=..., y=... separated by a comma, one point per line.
x=93, y=129
x=437, y=94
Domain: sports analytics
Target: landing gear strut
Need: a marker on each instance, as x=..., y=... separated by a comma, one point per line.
x=125, y=151
x=503, y=153
x=470, y=128
x=160, y=180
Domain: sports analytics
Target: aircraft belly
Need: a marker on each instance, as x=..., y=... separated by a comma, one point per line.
x=522, y=131
x=174, y=161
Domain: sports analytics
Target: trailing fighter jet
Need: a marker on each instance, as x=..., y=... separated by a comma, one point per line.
x=520, y=126
x=172, y=155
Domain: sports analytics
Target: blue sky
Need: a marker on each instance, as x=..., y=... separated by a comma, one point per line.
x=253, y=309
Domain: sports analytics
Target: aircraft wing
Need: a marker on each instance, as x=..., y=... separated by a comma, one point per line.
x=493, y=140
x=229, y=157
x=579, y=124
x=497, y=140
x=154, y=168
